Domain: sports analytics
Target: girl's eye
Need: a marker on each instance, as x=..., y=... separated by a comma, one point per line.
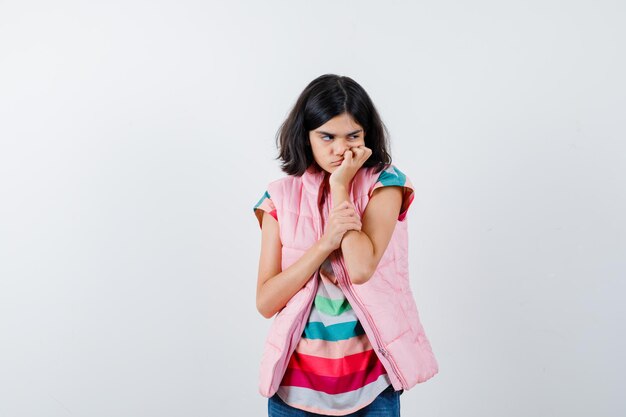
x=327, y=138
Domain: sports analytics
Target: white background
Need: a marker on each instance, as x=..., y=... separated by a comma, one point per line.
x=136, y=136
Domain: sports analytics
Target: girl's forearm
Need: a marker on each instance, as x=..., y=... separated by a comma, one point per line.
x=358, y=252
x=356, y=246
x=278, y=290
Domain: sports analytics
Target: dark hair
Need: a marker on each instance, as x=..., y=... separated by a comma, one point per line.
x=325, y=97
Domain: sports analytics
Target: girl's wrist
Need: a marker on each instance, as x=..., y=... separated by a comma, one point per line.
x=337, y=185
x=324, y=246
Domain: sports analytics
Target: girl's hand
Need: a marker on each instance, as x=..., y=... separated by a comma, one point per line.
x=353, y=160
x=341, y=219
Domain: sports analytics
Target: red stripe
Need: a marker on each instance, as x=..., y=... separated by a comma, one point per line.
x=332, y=385
x=333, y=367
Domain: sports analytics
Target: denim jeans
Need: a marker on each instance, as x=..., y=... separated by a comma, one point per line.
x=387, y=404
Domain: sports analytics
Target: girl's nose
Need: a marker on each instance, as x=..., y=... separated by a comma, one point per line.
x=340, y=147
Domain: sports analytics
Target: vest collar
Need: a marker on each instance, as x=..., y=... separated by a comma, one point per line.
x=313, y=178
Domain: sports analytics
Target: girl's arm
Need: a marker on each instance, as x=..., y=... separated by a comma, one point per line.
x=275, y=287
x=362, y=250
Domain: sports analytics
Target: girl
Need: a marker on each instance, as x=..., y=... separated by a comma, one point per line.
x=346, y=338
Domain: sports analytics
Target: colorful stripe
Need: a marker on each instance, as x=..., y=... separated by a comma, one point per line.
x=333, y=367
x=344, y=403
x=327, y=319
x=332, y=385
x=338, y=349
x=265, y=203
x=392, y=176
x=331, y=307
x=265, y=196
x=333, y=333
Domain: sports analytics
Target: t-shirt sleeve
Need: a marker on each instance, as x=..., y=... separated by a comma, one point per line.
x=264, y=204
x=392, y=176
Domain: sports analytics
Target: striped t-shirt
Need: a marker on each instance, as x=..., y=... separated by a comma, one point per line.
x=334, y=370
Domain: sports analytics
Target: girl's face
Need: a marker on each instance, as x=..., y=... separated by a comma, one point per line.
x=333, y=138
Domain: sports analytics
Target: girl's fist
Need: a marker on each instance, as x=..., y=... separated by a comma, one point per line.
x=353, y=160
x=341, y=219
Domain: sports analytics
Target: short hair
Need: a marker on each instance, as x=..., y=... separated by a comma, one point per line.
x=325, y=97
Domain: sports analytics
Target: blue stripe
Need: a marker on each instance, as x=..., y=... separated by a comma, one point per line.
x=334, y=332
x=392, y=176
x=265, y=195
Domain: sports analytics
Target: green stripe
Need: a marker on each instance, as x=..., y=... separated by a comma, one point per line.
x=333, y=333
x=331, y=307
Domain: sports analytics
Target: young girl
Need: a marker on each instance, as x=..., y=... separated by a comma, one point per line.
x=346, y=338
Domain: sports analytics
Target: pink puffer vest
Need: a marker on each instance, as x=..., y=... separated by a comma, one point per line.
x=384, y=305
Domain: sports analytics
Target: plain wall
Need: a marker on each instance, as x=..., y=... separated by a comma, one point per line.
x=136, y=136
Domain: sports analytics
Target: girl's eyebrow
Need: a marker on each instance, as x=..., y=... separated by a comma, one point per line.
x=332, y=134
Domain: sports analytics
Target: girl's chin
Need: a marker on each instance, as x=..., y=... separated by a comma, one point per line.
x=327, y=168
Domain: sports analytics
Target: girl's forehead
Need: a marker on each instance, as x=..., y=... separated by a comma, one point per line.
x=343, y=123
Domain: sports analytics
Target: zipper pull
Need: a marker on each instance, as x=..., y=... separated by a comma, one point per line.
x=383, y=351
